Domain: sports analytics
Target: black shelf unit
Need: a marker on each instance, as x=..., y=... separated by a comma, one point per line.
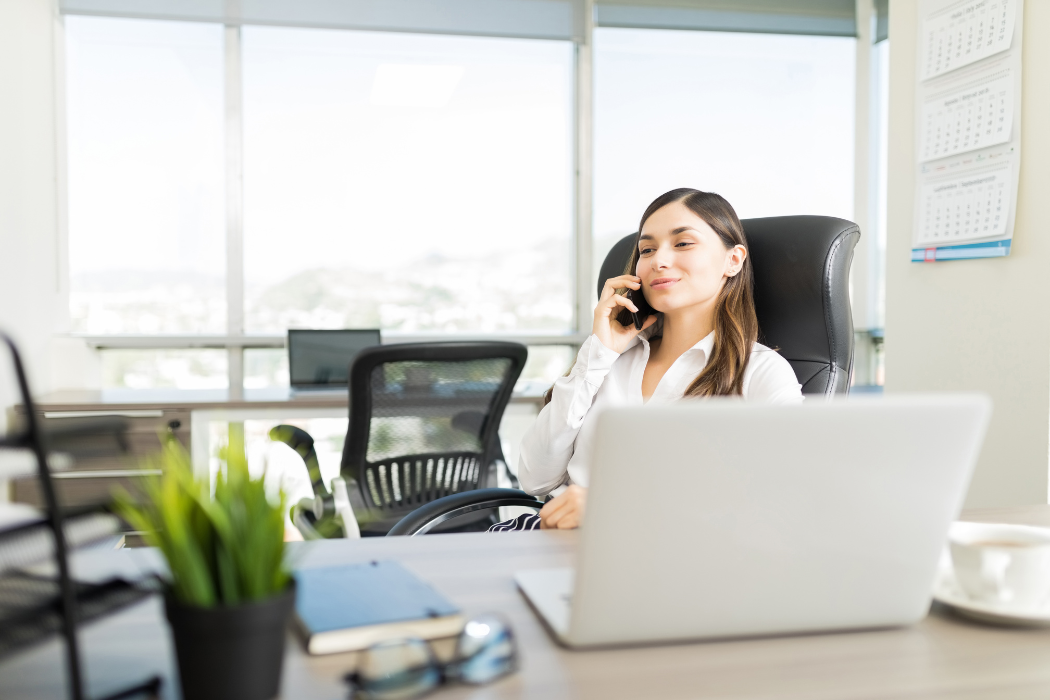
x=38, y=596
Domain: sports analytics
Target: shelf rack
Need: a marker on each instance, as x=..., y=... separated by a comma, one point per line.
x=38, y=596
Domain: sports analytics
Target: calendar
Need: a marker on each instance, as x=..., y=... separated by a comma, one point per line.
x=965, y=32
x=967, y=128
x=966, y=208
x=964, y=118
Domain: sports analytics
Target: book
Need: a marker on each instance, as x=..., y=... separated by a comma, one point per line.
x=349, y=608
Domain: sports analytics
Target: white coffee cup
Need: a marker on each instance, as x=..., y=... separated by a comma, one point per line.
x=1003, y=565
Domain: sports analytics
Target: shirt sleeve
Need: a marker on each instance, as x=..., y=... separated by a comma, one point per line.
x=547, y=446
x=772, y=379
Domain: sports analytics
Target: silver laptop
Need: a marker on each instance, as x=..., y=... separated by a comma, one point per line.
x=722, y=519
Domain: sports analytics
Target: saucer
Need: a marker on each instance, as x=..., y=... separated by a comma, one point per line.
x=946, y=590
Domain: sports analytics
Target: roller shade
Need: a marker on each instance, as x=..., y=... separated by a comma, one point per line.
x=535, y=19
x=823, y=17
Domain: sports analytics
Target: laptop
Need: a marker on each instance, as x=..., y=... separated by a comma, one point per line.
x=721, y=519
x=319, y=360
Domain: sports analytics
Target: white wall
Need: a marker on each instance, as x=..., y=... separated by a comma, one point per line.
x=981, y=324
x=31, y=299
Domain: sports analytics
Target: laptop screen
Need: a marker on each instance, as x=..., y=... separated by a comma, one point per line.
x=322, y=358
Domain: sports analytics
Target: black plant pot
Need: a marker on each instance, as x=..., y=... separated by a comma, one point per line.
x=230, y=653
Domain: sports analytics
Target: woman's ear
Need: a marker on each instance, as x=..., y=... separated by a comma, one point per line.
x=735, y=257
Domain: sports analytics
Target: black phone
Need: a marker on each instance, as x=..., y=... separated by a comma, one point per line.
x=644, y=310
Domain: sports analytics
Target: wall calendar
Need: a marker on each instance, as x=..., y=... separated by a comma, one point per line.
x=968, y=95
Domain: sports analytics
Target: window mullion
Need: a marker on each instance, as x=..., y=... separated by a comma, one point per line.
x=584, y=127
x=865, y=270
x=234, y=207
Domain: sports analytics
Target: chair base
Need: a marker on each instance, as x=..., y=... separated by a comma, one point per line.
x=437, y=515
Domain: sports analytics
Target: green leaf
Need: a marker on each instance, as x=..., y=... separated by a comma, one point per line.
x=224, y=549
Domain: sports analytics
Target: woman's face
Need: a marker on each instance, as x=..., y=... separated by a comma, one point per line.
x=682, y=261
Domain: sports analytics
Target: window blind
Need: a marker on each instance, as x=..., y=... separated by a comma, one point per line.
x=823, y=17
x=535, y=19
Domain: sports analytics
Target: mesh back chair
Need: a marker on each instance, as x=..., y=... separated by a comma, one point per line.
x=801, y=266
x=423, y=425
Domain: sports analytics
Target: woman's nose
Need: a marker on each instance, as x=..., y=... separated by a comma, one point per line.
x=660, y=260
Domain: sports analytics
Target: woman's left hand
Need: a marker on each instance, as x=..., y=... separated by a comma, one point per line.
x=564, y=511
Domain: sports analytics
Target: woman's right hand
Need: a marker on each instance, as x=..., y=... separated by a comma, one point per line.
x=610, y=332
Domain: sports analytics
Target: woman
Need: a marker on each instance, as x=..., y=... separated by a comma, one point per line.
x=691, y=263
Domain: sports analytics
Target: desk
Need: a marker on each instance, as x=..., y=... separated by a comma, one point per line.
x=190, y=414
x=942, y=656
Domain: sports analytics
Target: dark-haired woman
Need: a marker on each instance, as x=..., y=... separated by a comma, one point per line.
x=691, y=263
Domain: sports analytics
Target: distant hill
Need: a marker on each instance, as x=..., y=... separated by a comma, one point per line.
x=528, y=288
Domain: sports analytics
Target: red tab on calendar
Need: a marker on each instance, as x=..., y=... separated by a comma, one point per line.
x=931, y=255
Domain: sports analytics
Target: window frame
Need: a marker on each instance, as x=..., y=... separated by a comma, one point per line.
x=235, y=341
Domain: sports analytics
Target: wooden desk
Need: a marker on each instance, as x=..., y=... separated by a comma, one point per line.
x=943, y=656
x=150, y=413
x=189, y=415
x=115, y=401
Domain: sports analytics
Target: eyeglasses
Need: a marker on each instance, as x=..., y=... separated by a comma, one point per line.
x=407, y=668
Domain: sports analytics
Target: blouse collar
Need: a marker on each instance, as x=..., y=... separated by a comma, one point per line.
x=706, y=345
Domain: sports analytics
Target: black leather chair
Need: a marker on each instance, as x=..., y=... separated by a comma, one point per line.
x=801, y=266
x=423, y=426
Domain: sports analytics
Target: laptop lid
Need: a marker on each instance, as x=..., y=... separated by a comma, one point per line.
x=721, y=518
x=319, y=359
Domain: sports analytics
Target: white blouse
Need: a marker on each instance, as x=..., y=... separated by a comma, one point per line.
x=556, y=450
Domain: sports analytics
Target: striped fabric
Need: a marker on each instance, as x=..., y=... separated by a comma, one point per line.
x=528, y=521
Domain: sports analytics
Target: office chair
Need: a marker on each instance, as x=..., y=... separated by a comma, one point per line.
x=801, y=266
x=423, y=425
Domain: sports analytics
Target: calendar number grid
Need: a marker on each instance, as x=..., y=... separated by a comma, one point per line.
x=965, y=209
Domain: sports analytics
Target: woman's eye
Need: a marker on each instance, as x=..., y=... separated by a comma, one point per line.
x=645, y=251
x=682, y=244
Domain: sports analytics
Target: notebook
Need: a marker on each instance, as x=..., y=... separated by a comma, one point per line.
x=348, y=608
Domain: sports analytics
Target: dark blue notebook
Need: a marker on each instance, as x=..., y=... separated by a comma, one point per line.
x=346, y=608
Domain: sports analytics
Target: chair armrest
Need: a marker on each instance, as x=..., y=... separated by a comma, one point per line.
x=312, y=527
x=303, y=444
x=422, y=519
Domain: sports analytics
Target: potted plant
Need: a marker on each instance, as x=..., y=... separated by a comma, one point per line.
x=229, y=593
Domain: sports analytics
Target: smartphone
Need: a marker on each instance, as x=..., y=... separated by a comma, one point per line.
x=644, y=310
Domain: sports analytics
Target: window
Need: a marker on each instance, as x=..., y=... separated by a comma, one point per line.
x=265, y=368
x=765, y=120
x=147, y=251
x=419, y=183
x=409, y=182
x=164, y=369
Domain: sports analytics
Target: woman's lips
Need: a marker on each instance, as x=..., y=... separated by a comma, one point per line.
x=662, y=283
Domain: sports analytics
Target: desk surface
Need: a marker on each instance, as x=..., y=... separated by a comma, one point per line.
x=943, y=656
x=115, y=400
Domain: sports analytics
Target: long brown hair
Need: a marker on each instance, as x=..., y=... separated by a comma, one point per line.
x=736, y=326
